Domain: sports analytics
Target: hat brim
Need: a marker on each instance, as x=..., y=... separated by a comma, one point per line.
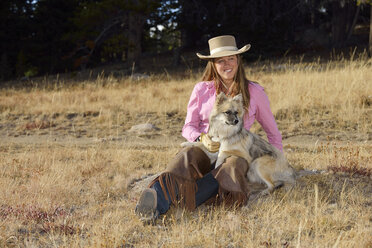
x=224, y=53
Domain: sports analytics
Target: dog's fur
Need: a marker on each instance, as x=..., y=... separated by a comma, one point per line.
x=266, y=163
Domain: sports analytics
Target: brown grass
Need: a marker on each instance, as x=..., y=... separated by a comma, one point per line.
x=67, y=161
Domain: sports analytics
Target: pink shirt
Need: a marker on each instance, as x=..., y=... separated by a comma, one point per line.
x=201, y=104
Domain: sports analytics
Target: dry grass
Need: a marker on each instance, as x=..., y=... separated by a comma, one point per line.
x=67, y=161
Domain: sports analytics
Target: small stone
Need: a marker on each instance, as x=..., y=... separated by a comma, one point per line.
x=141, y=128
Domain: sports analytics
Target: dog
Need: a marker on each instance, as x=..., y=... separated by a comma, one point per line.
x=267, y=164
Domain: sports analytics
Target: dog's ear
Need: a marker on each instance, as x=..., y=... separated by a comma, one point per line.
x=221, y=98
x=238, y=97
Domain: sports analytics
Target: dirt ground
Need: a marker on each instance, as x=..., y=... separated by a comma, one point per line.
x=84, y=129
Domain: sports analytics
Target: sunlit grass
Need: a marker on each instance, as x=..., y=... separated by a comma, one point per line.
x=67, y=161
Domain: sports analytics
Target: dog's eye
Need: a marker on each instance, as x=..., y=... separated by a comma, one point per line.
x=236, y=113
x=228, y=112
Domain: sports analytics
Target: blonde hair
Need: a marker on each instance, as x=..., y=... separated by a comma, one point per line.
x=241, y=82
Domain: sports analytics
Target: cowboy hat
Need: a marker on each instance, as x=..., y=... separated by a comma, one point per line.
x=221, y=46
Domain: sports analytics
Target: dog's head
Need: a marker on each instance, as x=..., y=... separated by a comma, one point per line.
x=230, y=109
x=227, y=115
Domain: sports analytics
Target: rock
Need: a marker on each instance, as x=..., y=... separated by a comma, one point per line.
x=143, y=128
x=139, y=76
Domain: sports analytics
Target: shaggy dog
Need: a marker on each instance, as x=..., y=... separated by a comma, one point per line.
x=266, y=163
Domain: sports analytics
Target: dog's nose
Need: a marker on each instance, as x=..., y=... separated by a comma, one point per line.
x=236, y=121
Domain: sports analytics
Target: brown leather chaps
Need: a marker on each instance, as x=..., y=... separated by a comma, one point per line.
x=191, y=164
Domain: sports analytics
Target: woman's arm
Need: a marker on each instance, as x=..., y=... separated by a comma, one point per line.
x=265, y=117
x=191, y=128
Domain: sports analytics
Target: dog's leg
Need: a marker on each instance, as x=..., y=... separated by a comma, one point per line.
x=221, y=158
x=269, y=183
x=219, y=161
x=264, y=168
x=189, y=144
x=212, y=156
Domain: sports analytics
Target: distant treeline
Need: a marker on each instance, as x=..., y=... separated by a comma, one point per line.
x=50, y=36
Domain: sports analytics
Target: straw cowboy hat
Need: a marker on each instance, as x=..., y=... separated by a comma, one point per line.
x=221, y=46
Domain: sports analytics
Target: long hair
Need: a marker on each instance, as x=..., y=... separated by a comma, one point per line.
x=240, y=85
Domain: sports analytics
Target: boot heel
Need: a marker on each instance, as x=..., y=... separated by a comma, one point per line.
x=146, y=206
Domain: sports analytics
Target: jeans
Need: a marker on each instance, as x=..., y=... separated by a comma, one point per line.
x=207, y=187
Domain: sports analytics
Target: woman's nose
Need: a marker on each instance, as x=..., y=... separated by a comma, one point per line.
x=226, y=63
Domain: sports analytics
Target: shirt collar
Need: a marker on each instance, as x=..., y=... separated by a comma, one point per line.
x=210, y=85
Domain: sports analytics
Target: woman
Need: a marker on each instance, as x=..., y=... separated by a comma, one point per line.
x=189, y=179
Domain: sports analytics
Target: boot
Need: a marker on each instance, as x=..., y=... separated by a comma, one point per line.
x=146, y=207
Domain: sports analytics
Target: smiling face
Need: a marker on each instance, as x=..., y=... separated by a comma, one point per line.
x=226, y=67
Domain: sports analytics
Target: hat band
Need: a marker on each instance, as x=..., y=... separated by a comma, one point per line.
x=224, y=48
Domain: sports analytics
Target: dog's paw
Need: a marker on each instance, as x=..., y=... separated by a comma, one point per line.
x=266, y=192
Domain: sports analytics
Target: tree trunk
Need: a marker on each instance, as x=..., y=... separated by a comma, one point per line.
x=342, y=18
x=352, y=26
x=176, y=56
x=338, y=24
x=312, y=13
x=136, y=22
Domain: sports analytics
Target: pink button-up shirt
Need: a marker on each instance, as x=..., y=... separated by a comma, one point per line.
x=201, y=103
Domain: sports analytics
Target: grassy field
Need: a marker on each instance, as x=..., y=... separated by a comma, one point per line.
x=71, y=169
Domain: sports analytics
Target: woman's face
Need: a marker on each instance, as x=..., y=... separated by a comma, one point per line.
x=226, y=67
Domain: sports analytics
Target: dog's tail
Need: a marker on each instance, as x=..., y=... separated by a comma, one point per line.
x=303, y=173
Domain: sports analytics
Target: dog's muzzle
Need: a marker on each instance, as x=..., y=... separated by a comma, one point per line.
x=233, y=122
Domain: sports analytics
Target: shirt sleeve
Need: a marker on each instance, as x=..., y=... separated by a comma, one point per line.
x=265, y=117
x=191, y=128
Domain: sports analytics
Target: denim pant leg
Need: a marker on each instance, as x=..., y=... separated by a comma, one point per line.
x=207, y=187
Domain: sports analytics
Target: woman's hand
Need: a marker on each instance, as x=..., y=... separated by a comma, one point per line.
x=209, y=143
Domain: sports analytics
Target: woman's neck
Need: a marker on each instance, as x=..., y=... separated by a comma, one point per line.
x=227, y=86
x=228, y=83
